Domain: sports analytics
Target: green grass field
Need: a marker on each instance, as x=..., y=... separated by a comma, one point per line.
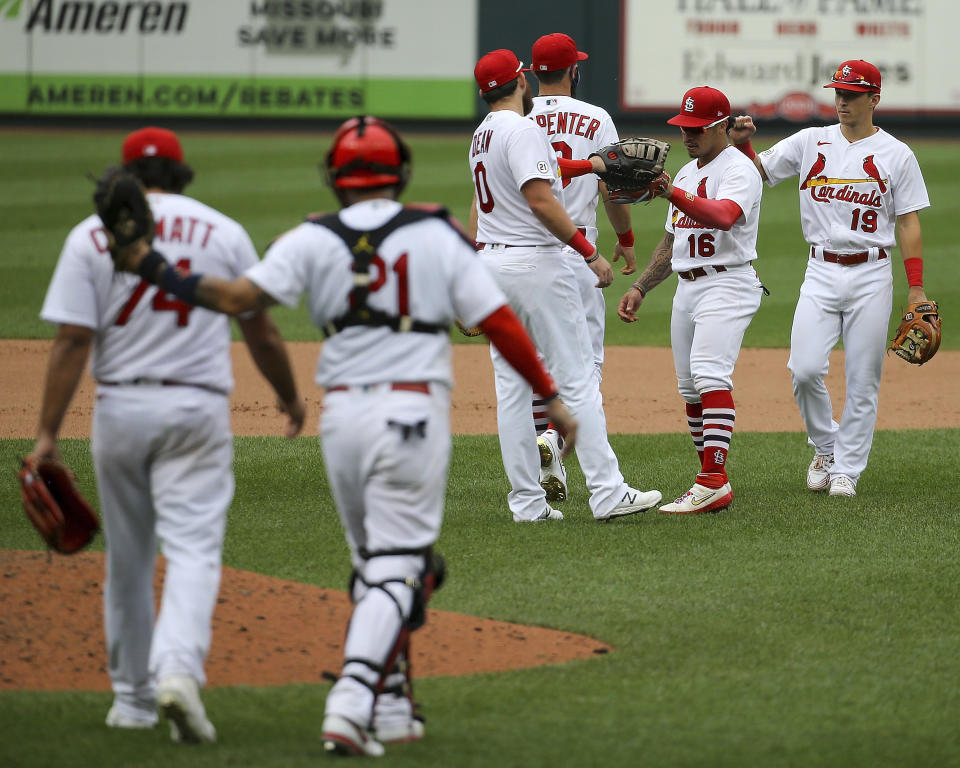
x=790, y=630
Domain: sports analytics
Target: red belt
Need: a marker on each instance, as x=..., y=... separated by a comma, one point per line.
x=848, y=259
x=398, y=386
x=693, y=274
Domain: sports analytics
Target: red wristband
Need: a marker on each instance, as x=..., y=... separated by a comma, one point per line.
x=747, y=149
x=581, y=245
x=625, y=238
x=914, y=269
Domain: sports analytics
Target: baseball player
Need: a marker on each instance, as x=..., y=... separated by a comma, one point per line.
x=710, y=242
x=860, y=190
x=384, y=282
x=521, y=226
x=575, y=128
x=161, y=439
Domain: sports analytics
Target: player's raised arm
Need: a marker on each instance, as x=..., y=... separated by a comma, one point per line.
x=740, y=134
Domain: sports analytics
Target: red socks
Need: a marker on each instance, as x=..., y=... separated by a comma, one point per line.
x=718, y=417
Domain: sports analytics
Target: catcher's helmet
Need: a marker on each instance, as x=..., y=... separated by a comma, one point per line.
x=367, y=152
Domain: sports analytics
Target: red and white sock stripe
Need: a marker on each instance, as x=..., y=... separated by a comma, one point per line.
x=719, y=415
x=695, y=424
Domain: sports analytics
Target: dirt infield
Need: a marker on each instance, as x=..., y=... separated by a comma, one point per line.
x=639, y=391
x=260, y=637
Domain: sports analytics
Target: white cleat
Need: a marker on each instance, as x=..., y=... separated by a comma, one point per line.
x=553, y=475
x=178, y=697
x=700, y=499
x=118, y=719
x=395, y=719
x=396, y=733
x=818, y=473
x=549, y=514
x=633, y=501
x=841, y=485
x=344, y=737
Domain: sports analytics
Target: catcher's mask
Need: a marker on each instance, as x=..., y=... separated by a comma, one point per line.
x=367, y=152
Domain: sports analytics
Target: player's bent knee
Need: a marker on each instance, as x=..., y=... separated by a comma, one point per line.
x=688, y=391
x=710, y=383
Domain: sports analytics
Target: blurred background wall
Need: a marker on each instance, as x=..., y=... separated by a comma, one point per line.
x=303, y=63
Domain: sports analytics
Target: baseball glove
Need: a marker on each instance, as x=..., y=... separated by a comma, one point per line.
x=122, y=205
x=918, y=337
x=632, y=165
x=471, y=331
x=55, y=506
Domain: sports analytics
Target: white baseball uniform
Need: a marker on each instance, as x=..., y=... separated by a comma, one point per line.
x=850, y=196
x=539, y=281
x=161, y=439
x=386, y=423
x=711, y=312
x=574, y=129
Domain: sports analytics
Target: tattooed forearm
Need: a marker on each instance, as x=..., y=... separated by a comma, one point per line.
x=659, y=268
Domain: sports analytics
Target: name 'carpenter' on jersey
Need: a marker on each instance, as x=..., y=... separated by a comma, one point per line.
x=568, y=122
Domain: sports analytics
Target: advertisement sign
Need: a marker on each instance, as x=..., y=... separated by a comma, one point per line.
x=227, y=58
x=772, y=57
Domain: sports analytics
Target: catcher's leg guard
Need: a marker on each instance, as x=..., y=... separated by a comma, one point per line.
x=383, y=591
x=391, y=595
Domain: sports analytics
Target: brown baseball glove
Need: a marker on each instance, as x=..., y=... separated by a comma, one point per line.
x=471, y=331
x=918, y=337
x=55, y=506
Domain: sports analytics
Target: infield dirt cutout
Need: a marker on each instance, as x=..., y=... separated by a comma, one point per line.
x=268, y=631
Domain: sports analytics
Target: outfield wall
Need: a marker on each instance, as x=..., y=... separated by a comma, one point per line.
x=413, y=59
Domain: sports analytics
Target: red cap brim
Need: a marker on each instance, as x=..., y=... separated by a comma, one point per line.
x=853, y=87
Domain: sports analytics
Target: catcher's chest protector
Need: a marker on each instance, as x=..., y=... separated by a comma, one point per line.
x=363, y=247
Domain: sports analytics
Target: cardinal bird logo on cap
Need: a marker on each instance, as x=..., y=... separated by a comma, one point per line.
x=818, y=165
x=871, y=170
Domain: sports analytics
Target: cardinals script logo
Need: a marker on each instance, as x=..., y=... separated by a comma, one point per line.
x=823, y=188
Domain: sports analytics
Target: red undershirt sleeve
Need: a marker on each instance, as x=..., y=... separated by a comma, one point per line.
x=716, y=214
x=570, y=169
x=507, y=334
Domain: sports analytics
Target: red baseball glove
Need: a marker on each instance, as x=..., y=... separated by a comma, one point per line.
x=55, y=506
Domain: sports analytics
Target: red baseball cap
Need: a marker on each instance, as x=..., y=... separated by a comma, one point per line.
x=701, y=107
x=856, y=75
x=497, y=68
x=555, y=51
x=152, y=142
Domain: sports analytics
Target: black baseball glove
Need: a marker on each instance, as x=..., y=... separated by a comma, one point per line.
x=632, y=166
x=122, y=205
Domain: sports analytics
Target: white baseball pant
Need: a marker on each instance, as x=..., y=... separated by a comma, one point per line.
x=853, y=302
x=710, y=316
x=386, y=453
x=541, y=287
x=163, y=459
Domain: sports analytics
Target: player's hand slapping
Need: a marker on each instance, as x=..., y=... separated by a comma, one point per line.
x=629, y=304
x=742, y=129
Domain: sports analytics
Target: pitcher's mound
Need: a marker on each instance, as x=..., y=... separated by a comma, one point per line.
x=266, y=631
